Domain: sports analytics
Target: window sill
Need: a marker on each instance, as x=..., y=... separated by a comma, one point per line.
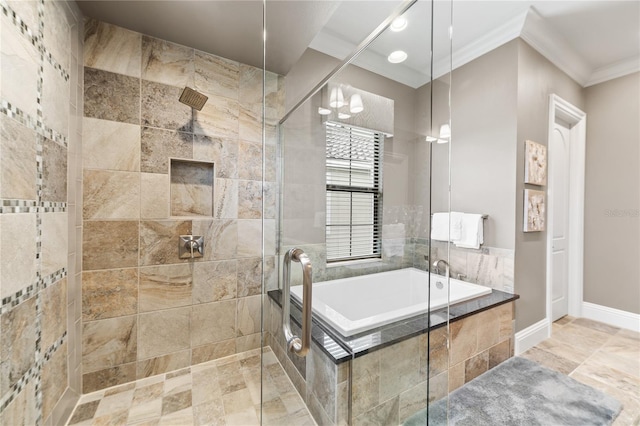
x=354, y=262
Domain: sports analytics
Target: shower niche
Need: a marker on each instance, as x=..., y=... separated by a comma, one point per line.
x=191, y=188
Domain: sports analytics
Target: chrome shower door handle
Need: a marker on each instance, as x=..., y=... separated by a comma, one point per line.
x=295, y=344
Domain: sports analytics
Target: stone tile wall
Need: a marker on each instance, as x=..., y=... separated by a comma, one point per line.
x=40, y=130
x=145, y=311
x=389, y=385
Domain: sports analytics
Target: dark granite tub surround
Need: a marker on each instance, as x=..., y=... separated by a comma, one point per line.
x=397, y=369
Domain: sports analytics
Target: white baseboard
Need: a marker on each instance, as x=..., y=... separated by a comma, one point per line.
x=611, y=316
x=531, y=336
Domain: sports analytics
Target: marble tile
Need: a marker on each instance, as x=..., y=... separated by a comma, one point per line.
x=110, y=145
x=488, y=329
x=249, y=315
x=213, y=351
x=166, y=62
x=456, y=376
x=216, y=75
x=506, y=317
x=595, y=325
x=399, y=368
x=218, y=118
x=499, y=353
x=209, y=414
x=111, y=48
x=250, y=125
x=214, y=281
x=56, y=35
x=602, y=371
x=225, y=199
x=386, y=413
x=213, y=322
x=164, y=332
x=165, y=286
x=629, y=366
x=108, y=377
x=160, y=107
x=564, y=320
x=413, y=400
x=191, y=188
x=27, y=10
x=250, y=93
x=158, y=241
x=108, y=343
x=55, y=108
x=274, y=97
x=223, y=152
x=18, y=252
x=249, y=161
x=111, y=293
x=476, y=365
x=54, y=379
x=249, y=199
x=18, y=151
x=109, y=244
x=221, y=238
x=53, y=313
x=159, y=145
x=249, y=238
x=54, y=241
x=250, y=277
x=111, y=96
x=84, y=412
x=581, y=337
x=154, y=198
x=485, y=269
x=115, y=402
x=19, y=62
x=559, y=348
x=366, y=383
x=110, y=195
x=17, y=352
x=54, y=173
x=463, y=336
x=144, y=413
x=173, y=403
x=550, y=360
x=162, y=364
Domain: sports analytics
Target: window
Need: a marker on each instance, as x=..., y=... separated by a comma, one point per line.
x=354, y=192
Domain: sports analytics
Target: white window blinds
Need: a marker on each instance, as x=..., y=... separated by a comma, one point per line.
x=354, y=192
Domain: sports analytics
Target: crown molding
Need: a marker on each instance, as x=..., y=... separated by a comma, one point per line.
x=618, y=69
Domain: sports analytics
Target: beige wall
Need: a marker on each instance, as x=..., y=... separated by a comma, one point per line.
x=537, y=79
x=40, y=129
x=612, y=195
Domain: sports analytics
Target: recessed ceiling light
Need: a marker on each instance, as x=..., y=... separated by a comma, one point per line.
x=324, y=111
x=397, y=57
x=398, y=24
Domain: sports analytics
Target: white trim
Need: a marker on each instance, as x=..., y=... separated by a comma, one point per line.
x=559, y=108
x=609, y=72
x=532, y=335
x=611, y=316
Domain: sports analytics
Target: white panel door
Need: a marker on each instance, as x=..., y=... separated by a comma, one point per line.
x=558, y=215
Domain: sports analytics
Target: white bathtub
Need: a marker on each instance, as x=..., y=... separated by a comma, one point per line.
x=354, y=305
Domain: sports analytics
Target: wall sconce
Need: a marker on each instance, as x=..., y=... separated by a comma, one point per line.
x=343, y=108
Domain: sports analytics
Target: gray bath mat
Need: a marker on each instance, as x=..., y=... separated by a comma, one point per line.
x=522, y=392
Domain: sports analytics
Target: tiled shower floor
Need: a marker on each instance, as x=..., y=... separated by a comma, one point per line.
x=221, y=392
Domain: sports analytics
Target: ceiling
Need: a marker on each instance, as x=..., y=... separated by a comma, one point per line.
x=592, y=41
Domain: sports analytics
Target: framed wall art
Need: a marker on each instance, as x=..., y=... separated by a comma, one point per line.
x=535, y=166
x=534, y=210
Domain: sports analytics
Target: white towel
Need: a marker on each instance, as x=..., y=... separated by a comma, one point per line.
x=472, y=233
x=446, y=227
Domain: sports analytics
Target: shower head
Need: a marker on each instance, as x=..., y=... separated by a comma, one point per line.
x=192, y=98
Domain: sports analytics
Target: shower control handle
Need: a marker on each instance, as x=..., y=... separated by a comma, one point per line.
x=295, y=344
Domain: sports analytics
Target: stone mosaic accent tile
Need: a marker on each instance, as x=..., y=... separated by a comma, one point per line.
x=160, y=107
x=18, y=252
x=159, y=241
x=166, y=62
x=111, y=96
x=54, y=173
x=28, y=13
x=111, y=48
x=22, y=410
x=220, y=151
x=17, y=352
x=191, y=188
x=54, y=379
x=55, y=108
x=109, y=343
x=218, y=118
x=216, y=75
x=110, y=195
x=110, y=244
x=55, y=234
x=18, y=151
x=214, y=281
x=213, y=322
x=159, y=145
x=53, y=313
x=164, y=332
x=110, y=293
x=154, y=196
x=250, y=156
x=165, y=286
x=19, y=65
x=110, y=145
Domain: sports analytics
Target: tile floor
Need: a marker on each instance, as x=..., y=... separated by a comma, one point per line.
x=599, y=355
x=221, y=392
x=227, y=391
